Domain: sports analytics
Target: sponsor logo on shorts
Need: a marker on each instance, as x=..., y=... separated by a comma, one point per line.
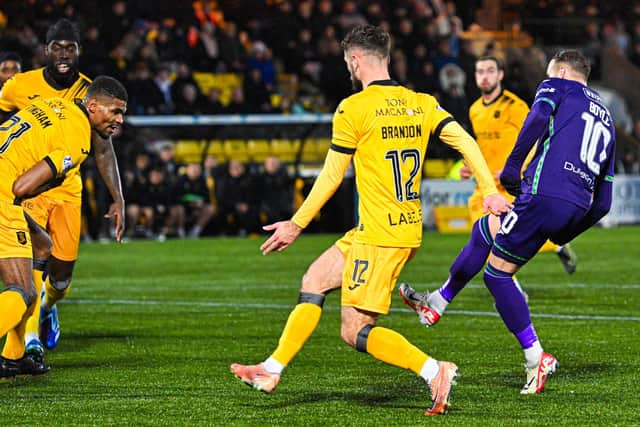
x=22, y=237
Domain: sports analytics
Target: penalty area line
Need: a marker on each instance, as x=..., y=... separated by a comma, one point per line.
x=334, y=308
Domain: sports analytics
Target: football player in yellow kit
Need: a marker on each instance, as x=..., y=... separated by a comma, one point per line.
x=40, y=145
x=59, y=210
x=497, y=117
x=384, y=129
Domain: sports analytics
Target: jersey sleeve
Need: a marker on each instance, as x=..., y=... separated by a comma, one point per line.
x=7, y=96
x=331, y=175
x=344, y=136
x=455, y=136
x=549, y=93
x=60, y=161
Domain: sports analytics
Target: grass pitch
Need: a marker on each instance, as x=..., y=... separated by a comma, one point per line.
x=150, y=330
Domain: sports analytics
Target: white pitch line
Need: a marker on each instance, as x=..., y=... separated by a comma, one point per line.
x=335, y=308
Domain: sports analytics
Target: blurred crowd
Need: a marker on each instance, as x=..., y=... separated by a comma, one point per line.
x=155, y=47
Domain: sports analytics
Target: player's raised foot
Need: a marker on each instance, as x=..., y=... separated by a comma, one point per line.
x=441, y=387
x=419, y=302
x=538, y=375
x=256, y=376
x=568, y=258
x=49, y=327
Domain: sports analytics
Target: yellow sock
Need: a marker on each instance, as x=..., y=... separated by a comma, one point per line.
x=33, y=323
x=14, y=345
x=301, y=323
x=13, y=308
x=391, y=347
x=52, y=295
x=548, y=246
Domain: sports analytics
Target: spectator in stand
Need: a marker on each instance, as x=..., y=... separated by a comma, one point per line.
x=191, y=101
x=159, y=206
x=115, y=23
x=184, y=76
x=334, y=77
x=350, y=16
x=166, y=161
x=275, y=192
x=232, y=52
x=193, y=194
x=136, y=182
x=420, y=71
x=144, y=95
x=237, y=105
x=375, y=14
x=261, y=60
x=260, y=99
x=163, y=82
x=10, y=64
x=236, y=197
x=213, y=103
x=322, y=18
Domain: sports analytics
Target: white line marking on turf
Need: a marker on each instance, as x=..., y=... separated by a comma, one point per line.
x=289, y=306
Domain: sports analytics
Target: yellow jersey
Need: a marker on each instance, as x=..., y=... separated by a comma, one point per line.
x=55, y=129
x=496, y=126
x=22, y=89
x=387, y=128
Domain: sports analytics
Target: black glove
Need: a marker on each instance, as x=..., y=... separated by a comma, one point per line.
x=513, y=187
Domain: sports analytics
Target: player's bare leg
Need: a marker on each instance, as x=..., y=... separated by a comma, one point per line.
x=323, y=276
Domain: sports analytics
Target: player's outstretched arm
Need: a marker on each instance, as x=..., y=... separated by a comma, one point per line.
x=284, y=234
x=330, y=177
x=108, y=168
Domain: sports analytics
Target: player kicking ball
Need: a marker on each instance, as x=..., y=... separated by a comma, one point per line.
x=566, y=189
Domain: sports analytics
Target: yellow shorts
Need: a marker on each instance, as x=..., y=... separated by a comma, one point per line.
x=344, y=243
x=475, y=204
x=15, y=240
x=370, y=274
x=61, y=219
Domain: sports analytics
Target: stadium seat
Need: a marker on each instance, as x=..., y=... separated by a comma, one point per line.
x=437, y=168
x=259, y=150
x=215, y=148
x=309, y=151
x=285, y=149
x=322, y=147
x=189, y=150
x=236, y=149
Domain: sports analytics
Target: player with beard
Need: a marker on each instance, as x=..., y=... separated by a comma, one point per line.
x=384, y=129
x=58, y=211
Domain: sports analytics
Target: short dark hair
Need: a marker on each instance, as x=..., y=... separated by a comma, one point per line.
x=63, y=30
x=107, y=86
x=369, y=38
x=10, y=56
x=576, y=60
x=491, y=58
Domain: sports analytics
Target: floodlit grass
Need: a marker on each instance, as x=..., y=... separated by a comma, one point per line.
x=150, y=330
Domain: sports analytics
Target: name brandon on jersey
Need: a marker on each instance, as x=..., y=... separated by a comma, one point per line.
x=403, y=218
x=405, y=131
